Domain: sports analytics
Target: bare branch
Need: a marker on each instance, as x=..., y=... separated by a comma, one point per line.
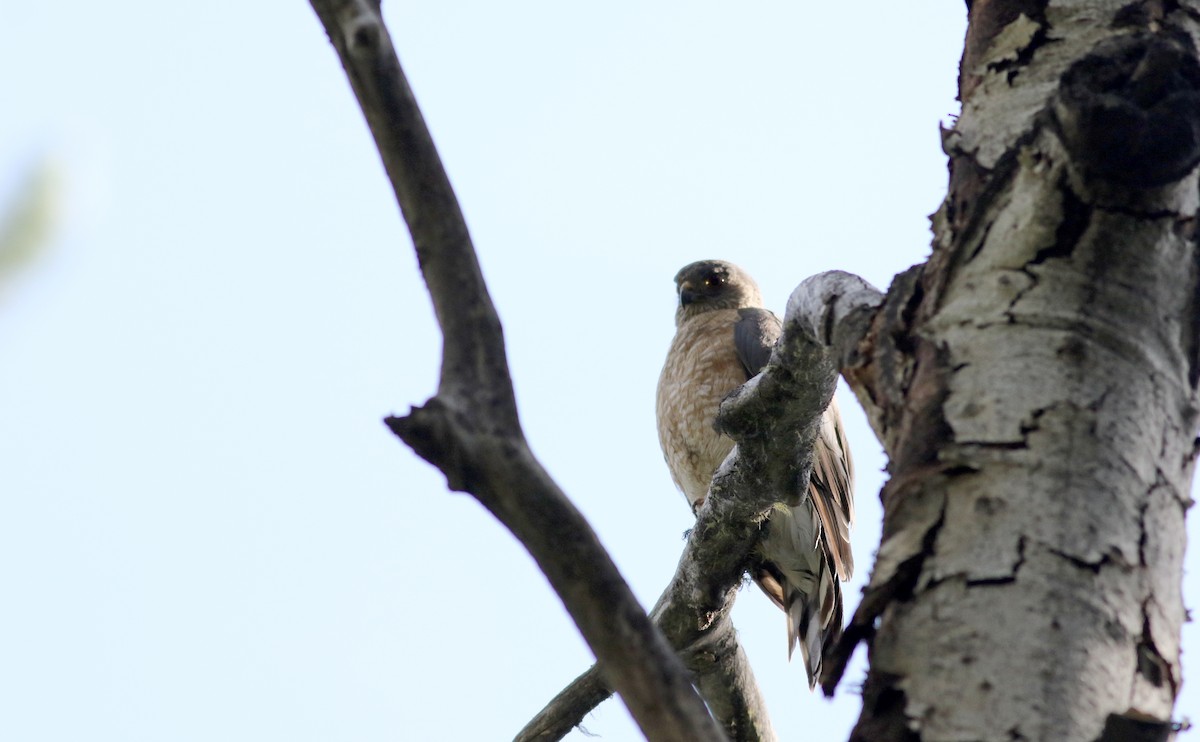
x=566, y=710
x=470, y=430
x=722, y=674
x=827, y=319
x=726, y=680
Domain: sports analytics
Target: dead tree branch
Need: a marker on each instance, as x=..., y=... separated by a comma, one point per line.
x=567, y=709
x=470, y=429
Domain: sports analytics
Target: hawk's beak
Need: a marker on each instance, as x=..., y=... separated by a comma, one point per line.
x=686, y=294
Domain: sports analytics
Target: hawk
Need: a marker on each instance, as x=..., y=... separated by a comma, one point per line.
x=723, y=337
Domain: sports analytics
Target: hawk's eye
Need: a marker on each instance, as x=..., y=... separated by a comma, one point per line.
x=713, y=280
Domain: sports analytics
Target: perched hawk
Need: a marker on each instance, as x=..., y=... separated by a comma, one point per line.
x=723, y=337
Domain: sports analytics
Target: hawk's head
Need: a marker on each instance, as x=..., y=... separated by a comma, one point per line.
x=713, y=284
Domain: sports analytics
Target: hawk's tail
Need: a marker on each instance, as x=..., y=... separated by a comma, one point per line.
x=798, y=574
x=816, y=621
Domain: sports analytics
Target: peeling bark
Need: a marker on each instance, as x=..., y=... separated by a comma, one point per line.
x=1038, y=387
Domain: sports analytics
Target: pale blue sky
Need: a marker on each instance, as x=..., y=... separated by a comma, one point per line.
x=205, y=530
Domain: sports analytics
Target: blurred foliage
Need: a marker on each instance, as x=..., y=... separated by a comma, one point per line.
x=27, y=221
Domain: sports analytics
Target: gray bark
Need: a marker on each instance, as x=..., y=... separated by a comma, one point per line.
x=722, y=674
x=1037, y=390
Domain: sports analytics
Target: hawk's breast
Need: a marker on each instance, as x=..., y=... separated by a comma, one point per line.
x=702, y=367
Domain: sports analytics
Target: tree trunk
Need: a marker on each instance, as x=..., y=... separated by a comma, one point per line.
x=1035, y=385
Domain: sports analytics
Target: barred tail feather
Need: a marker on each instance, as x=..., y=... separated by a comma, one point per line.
x=815, y=622
x=798, y=574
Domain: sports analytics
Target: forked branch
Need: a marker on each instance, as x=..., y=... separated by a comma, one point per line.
x=470, y=429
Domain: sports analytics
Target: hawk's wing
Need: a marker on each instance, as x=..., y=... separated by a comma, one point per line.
x=832, y=483
x=806, y=548
x=832, y=488
x=754, y=336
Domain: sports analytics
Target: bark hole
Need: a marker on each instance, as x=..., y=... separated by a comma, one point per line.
x=1129, y=112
